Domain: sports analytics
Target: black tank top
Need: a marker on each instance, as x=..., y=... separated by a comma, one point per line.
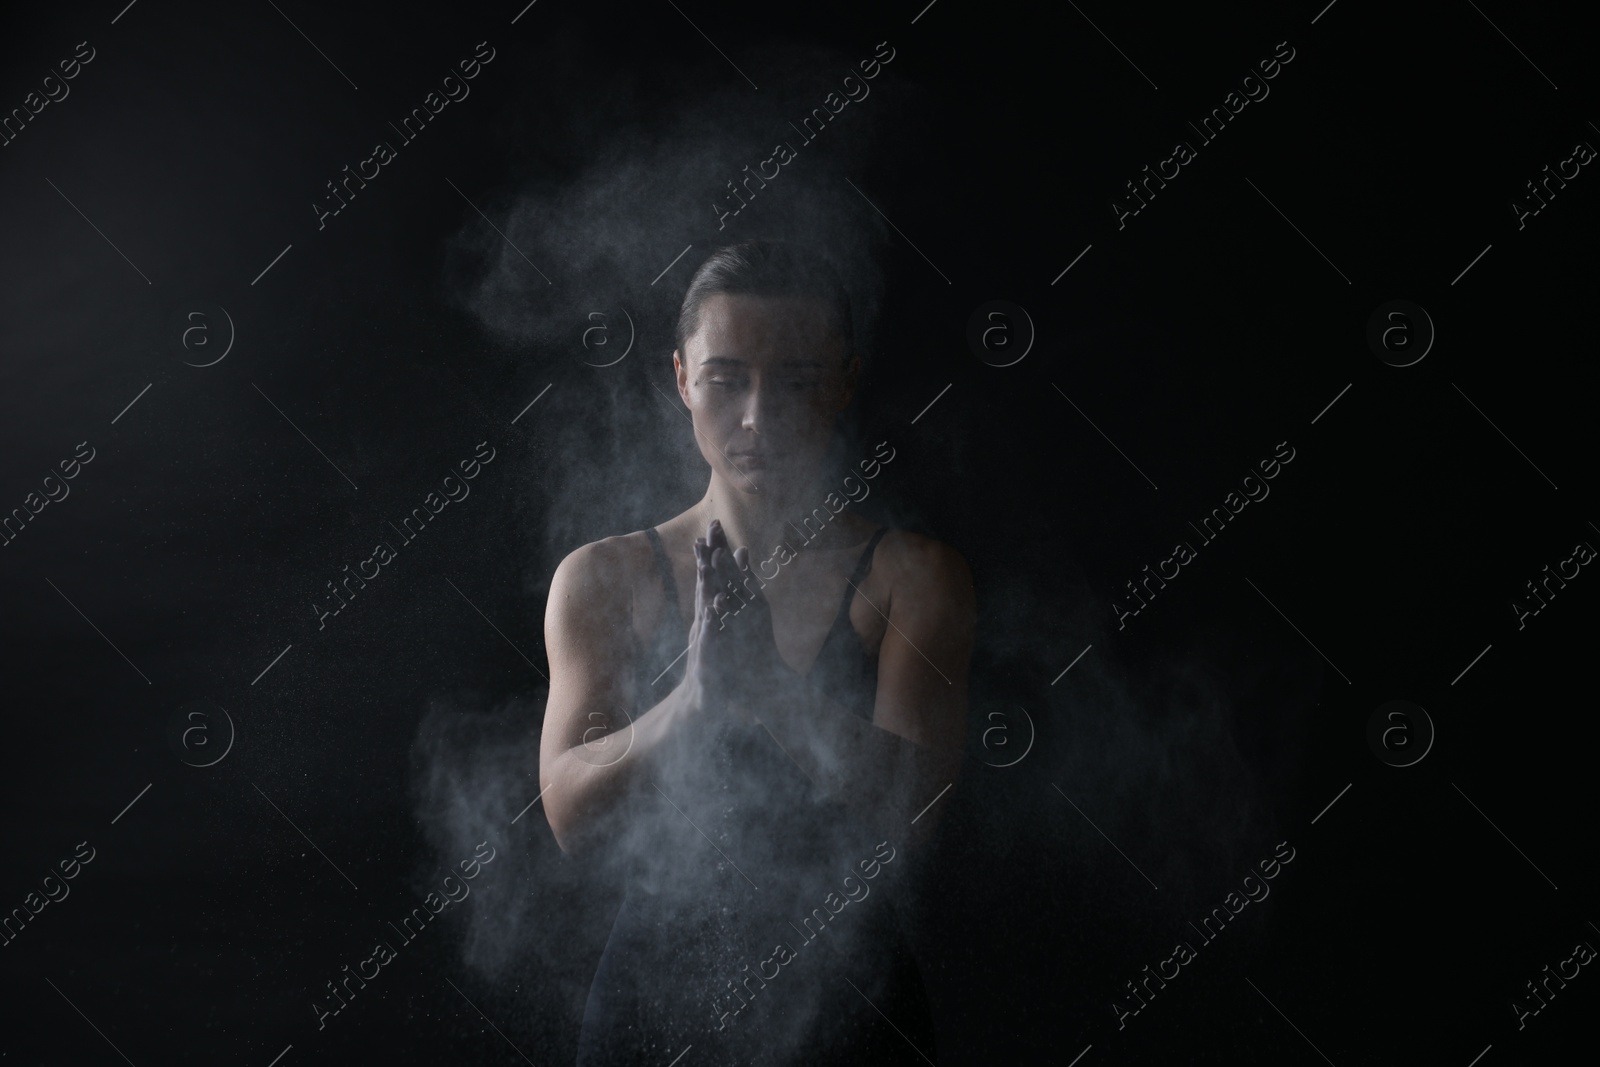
x=718, y=877
x=843, y=669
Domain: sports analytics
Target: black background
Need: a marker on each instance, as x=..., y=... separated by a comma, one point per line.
x=1197, y=337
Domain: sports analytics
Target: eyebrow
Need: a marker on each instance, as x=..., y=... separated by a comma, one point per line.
x=729, y=361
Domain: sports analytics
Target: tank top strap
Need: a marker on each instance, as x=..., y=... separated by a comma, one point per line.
x=863, y=565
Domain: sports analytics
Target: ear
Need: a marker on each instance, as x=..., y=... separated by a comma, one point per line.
x=680, y=373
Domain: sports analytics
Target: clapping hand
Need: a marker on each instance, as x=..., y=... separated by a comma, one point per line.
x=733, y=656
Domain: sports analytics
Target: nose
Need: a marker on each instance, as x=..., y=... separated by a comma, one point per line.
x=757, y=407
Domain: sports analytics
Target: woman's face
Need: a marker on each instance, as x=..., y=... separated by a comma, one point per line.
x=764, y=379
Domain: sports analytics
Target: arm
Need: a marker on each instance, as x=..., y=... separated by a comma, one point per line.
x=895, y=765
x=590, y=754
x=588, y=635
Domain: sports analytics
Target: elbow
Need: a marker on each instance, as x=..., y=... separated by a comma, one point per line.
x=571, y=826
x=577, y=839
x=558, y=814
x=573, y=837
x=569, y=844
x=562, y=830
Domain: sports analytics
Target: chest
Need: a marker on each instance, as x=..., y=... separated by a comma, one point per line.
x=811, y=600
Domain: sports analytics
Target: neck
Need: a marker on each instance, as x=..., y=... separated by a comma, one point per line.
x=761, y=521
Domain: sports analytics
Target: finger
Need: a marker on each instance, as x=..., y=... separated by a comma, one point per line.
x=730, y=569
x=740, y=563
x=710, y=583
x=706, y=583
x=704, y=586
x=725, y=575
x=749, y=580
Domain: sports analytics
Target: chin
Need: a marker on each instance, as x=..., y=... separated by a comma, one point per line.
x=755, y=482
x=763, y=480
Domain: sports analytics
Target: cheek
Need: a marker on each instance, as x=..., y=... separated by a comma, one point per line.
x=821, y=416
x=809, y=414
x=825, y=399
x=715, y=410
x=716, y=416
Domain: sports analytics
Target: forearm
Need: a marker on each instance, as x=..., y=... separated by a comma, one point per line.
x=588, y=784
x=848, y=758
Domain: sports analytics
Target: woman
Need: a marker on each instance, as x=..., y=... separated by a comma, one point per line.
x=754, y=728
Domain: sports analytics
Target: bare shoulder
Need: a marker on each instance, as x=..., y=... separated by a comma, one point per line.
x=926, y=570
x=602, y=573
x=607, y=556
